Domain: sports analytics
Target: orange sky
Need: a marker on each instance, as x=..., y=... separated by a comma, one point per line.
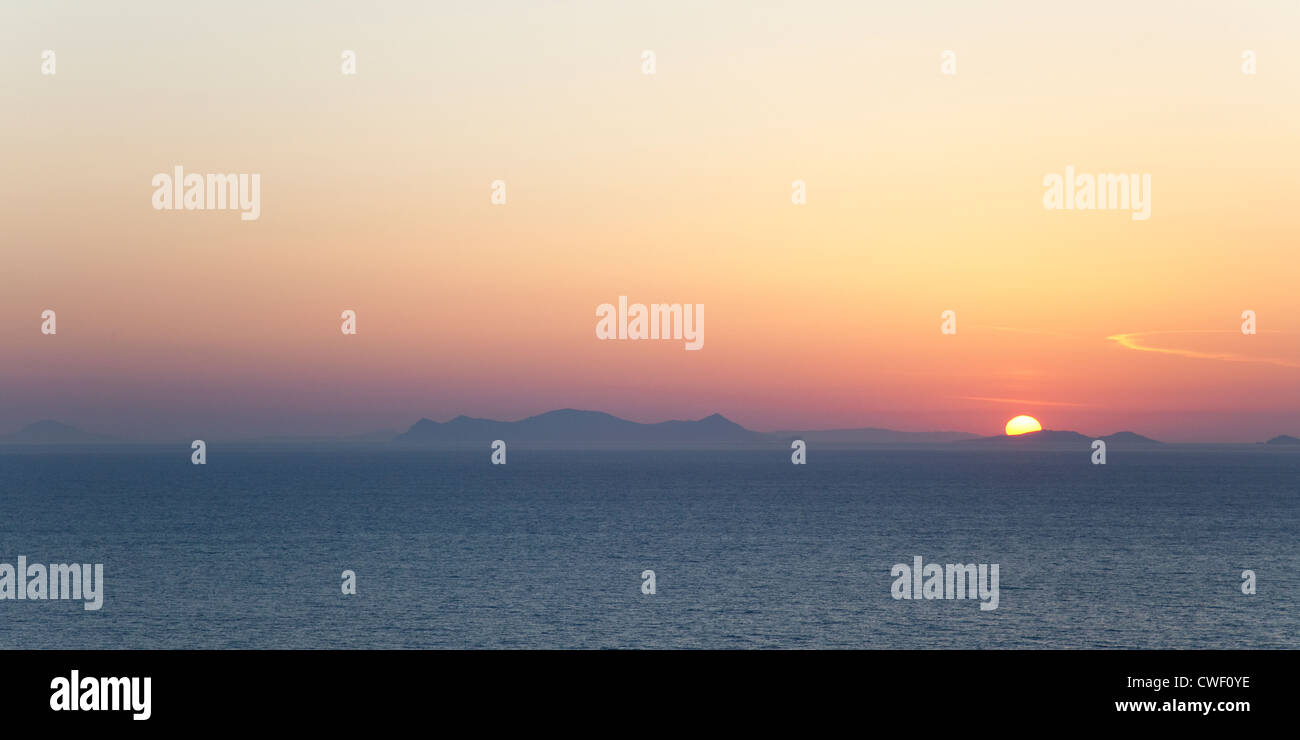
x=924, y=194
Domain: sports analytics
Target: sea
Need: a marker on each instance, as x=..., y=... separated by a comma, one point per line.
x=747, y=549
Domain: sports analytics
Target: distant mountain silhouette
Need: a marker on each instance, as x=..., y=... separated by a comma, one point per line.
x=1130, y=438
x=567, y=426
x=53, y=433
x=572, y=426
x=871, y=435
x=1283, y=439
x=1060, y=438
x=1032, y=439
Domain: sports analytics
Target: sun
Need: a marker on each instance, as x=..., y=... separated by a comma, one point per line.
x=1023, y=425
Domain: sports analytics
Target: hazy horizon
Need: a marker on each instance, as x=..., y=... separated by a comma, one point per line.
x=380, y=434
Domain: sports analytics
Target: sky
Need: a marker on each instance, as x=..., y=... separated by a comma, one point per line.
x=924, y=193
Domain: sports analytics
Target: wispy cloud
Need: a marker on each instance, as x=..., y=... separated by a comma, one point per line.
x=1136, y=341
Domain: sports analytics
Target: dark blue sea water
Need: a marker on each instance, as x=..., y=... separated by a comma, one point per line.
x=749, y=551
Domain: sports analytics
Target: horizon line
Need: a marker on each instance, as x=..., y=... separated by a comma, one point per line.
x=379, y=435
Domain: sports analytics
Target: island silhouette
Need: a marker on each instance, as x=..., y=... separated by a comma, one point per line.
x=594, y=428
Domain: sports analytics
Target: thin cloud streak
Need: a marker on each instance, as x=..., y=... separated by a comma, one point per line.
x=1132, y=340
